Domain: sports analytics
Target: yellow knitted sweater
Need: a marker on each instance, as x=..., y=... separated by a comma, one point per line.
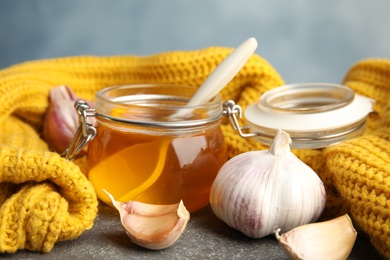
x=44, y=198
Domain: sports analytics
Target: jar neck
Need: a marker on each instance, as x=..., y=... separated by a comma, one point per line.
x=159, y=107
x=183, y=130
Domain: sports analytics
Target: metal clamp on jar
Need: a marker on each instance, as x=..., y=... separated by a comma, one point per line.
x=315, y=115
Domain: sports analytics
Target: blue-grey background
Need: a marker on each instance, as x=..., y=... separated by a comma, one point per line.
x=305, y=40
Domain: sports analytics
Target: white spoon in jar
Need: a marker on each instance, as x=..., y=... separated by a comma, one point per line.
x=221, y=75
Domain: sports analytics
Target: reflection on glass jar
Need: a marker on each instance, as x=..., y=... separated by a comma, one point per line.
x=145, y=150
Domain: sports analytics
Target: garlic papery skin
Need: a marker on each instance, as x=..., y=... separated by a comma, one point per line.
x=258, y=190
x=332, y=239
x=61, y=120
x=152, y=226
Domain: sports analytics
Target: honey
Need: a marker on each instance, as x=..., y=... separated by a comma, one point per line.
x=141, y=153
x=170, y=169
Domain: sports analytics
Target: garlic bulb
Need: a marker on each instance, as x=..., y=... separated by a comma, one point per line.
x=152, y=226
x=256, y=191
x=332, y=239
x=61, y=120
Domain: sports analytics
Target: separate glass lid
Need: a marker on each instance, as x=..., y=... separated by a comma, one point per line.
x=314, y=114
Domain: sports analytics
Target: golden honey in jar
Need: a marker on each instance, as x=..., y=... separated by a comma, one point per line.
x=152, y=148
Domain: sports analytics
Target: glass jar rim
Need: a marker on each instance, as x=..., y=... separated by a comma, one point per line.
x=307, y=98
x=136, y=104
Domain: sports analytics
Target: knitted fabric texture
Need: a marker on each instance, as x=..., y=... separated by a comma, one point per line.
x=355, y=172
x=43, y=198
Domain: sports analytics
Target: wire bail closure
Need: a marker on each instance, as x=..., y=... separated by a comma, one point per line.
x=234, y=112
x=85, y=132
x=315, y=115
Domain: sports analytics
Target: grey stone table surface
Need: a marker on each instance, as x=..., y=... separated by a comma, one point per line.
x=206, y=237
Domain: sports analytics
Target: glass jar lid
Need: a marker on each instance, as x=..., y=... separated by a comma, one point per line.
x=314, y=114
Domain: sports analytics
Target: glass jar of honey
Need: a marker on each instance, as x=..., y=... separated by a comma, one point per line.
x=151, y=147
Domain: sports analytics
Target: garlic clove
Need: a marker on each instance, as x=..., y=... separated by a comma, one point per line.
x=332, y=239
x=61, y=121
x=152, y=226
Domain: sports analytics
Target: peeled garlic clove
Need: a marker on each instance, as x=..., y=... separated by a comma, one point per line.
x=332, y=239
x=61, y=121
x=152, y=226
